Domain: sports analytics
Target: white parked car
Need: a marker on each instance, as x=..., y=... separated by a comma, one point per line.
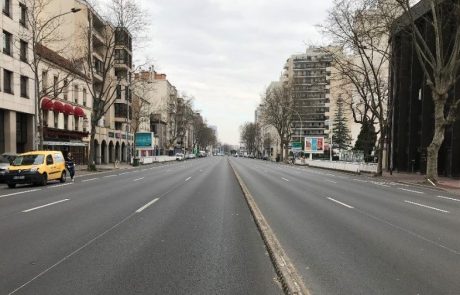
x=180, y=157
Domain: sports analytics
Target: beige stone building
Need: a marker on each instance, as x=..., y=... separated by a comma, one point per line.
x=114, y=140
x=17, y=106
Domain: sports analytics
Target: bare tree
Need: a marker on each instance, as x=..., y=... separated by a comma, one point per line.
x=181, y=116
x=38, y=30
x=360, y=32
x=436, y=39
x=249, y=134
x=277, y=111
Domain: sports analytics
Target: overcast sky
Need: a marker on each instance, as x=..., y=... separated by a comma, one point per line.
x=225, y=52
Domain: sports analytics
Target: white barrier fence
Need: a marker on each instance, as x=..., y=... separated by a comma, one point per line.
x=156, y=159
x=339, y=165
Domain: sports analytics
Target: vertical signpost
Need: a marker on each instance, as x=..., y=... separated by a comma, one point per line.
x=314, y=145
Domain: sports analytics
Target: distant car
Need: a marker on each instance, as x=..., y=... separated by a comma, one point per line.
x=180, y=157
x=5, y=161
x=235, y=155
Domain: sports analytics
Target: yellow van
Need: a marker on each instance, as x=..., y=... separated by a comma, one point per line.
x=37, y=168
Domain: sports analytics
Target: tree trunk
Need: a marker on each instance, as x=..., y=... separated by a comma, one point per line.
x=92, y=148
x=438, y=139
x=281, y=151
x=286, y=151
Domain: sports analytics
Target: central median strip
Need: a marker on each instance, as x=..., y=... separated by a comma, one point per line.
x=290, y=279
x=147, y=205
x=426, y=206
x=341, y=203
x=46, y=205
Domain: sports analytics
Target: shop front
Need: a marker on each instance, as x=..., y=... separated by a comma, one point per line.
x=67, y=141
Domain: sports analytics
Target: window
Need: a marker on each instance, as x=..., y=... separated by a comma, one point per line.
x=24, y=87
x=8, y=81
x=49, y=160
x=118, y=91
x=44, y=82
x=66, y=90
x=7, y=39
x=45, y=118
x=66, y=122
x=24, y=49
x=55, y=86
x=77, y=123
x=84, y=97
x=75, y=93
x=23, y=19
x=7, y=7
x=56, y=120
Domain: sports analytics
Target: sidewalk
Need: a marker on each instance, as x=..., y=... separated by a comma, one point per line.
x=445, y=183
x=81, y=170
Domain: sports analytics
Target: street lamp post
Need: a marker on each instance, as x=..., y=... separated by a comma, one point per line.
x=331, y=143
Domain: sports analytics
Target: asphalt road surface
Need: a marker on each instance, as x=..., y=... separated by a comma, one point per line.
x=349, y=234
x=185, y=228
x=182, y=228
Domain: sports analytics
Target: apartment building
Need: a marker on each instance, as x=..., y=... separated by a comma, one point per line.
x=164, y=105
x=65, y=105
x=17, y=104
x=315, y=93
x=86, y=28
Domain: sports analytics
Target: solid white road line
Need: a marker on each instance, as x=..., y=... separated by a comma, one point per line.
x=60, y=185
x=331, y=181
x=43, y=206
x=447, y=198
x=425, y=206
x=360, y=180
x=91, y=179
x=20, y=193
x=188, y=179
x=343, y=204
x=146, y=205
x=137, y=179
x=108, y=176
x=285, y=179
x=411, y=191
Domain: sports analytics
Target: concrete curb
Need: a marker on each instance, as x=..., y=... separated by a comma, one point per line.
x=291, y=281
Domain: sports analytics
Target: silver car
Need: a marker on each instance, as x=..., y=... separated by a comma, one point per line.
x=5, y=161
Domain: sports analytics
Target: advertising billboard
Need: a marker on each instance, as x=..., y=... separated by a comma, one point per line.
x=314, y=145
x=144, y=140
x=296, y=147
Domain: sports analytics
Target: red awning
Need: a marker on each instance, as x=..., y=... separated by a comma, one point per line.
x=58, y=107
x=47, y=104
x=78, y=112
x=68, y=109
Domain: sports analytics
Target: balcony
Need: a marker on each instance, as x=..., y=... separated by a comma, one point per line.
x=123, y=59
x=123, y=39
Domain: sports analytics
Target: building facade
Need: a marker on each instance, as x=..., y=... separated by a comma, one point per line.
x=17, y=104
x=413, y=108
x=308, y=77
